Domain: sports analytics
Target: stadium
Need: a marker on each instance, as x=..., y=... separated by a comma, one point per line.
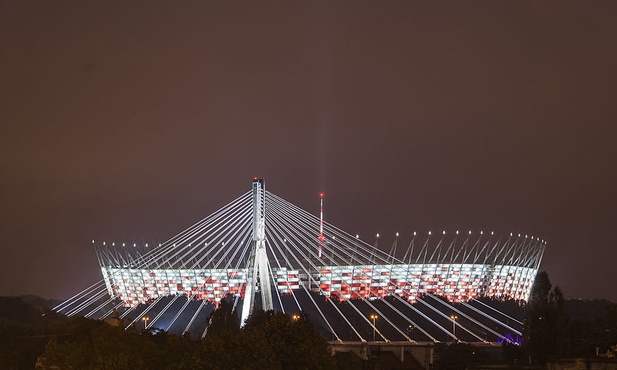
x=262, y=251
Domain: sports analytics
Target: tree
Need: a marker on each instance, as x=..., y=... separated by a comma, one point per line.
x=546, y=324
x=223, y=319
x=291, y=343
x=459, y=356
x=268, y=340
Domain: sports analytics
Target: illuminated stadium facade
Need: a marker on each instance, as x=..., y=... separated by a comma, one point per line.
x=455, y=281
x=261, y=245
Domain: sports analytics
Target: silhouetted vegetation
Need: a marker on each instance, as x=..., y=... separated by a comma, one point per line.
x=546, y=323
x=592, y=334
x=459, y=356
x=276, y=341
x=556, y=328
x=269, y=340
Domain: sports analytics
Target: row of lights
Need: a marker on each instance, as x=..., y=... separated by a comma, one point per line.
x=457, y=233
x=113, y=244
x=357, y=237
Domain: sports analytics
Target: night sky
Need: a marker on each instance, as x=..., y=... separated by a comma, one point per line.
x=130, y=121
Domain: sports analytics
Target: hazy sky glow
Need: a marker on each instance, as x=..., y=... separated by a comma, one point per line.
x=131, y=121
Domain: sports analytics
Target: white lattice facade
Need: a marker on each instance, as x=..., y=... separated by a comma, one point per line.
x=456, y=282
x=134, y=286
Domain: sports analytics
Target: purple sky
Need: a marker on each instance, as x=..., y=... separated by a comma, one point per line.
x=131, y=121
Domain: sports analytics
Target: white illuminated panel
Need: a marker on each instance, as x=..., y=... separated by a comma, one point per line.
x=456, y=282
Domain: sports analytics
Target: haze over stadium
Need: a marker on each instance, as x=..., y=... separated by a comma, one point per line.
x=128, y=122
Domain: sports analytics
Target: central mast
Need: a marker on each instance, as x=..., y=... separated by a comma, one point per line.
x=258, y=261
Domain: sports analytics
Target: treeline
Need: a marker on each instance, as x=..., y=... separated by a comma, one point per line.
x=557, y=329
x=269, y=340
x=554, y=328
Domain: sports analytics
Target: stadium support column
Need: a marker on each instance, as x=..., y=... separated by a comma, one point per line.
x=258, y=263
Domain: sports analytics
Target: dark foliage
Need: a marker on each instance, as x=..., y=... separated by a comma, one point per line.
x=276, y=341
x=459, y=356
x=269, y=340
x=595, y=330
x=223, y=320
x=546, y=325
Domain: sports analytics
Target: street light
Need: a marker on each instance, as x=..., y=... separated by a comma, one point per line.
x=454, y=318
x=145, y=320
x=295, y=317
x=373, y=317
x=410, y=330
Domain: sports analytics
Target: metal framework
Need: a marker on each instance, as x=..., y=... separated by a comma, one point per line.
x=260, y=243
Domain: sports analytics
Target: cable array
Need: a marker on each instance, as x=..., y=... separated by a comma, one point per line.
x=313, y=265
